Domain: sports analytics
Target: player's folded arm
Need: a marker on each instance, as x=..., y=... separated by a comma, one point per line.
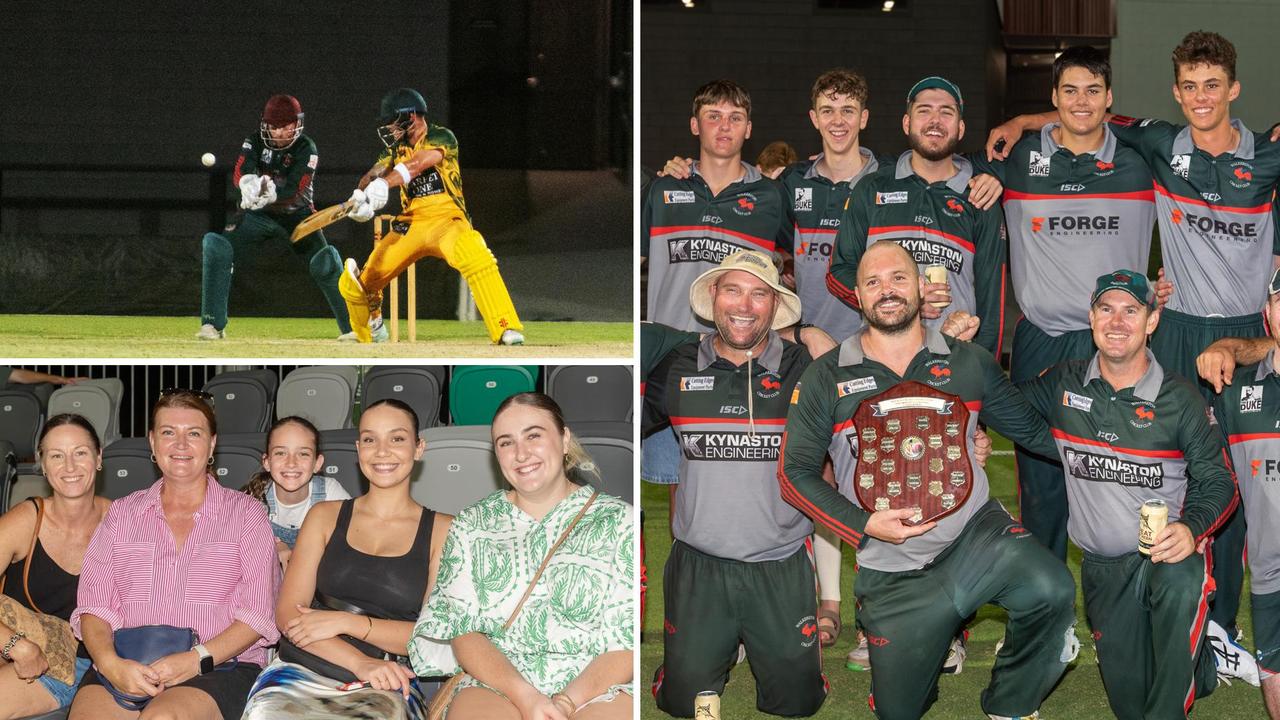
x=804, y=449
x=850, y=244
x=1211, y=482
x=1009, y=413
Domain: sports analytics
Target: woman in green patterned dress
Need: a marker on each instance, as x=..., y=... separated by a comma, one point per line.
x=569, y=652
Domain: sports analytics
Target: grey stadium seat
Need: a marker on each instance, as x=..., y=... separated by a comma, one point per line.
x=243, y=400
x=340, y=461
x=98, y=401
x=458, y=432
x=588, y=393
x=8, y=471
x=419, y=387
x=21, y=416
x=324, y=394
x=126, y=468
x=455, y=472
x=613, y=460
x=28, y=486
x=619, y=430
x=237, y=457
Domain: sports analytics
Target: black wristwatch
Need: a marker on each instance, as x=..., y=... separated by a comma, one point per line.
x=206, y=659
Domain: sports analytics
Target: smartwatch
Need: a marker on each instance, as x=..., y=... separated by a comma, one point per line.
x=206, y=659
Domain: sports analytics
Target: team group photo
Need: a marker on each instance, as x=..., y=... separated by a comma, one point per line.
x=956, y=349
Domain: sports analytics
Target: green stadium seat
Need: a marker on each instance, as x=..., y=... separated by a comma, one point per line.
x=475, y=391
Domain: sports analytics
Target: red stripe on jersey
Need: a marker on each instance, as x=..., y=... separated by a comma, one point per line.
x=973, y=405
x=839, y=290
x=816, y=231
x=1259, y=210
x=891, y=229
x=731, y=421
x=1246, y=437
x=657, y=232
x=841, y=427
x=1231, y=506
x=1141, y=195
x=793, y=496
x=1004, y=269
x=235, y=174
x=1172, y=454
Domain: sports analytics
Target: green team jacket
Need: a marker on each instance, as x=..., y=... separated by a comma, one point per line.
x=1122, y=447
x=820, y=423
x=936, y=224
x=293, y=171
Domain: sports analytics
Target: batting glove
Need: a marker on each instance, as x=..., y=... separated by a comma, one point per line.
x=376, y=193
x=363, y=212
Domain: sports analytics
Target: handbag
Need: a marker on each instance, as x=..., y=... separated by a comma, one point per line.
x=146, y=644
x=50, y=633
x=440, y=701
x=292, y=653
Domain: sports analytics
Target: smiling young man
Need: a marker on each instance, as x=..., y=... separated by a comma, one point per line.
x=1077, y=204
x=1214, y=187
x=923, y=203
x=726, y=397
x=689, y=225
x=1128, y=432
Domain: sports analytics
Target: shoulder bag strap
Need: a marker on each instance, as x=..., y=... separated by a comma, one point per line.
x=26, y=567
x=546, y=560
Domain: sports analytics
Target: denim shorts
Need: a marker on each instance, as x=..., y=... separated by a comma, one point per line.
x=660, y=458
x=62, y=692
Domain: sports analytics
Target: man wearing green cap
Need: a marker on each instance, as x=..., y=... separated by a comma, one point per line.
x=1127, y=432
x=922, y=202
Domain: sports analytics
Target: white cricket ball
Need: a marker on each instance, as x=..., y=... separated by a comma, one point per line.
x=207, y=159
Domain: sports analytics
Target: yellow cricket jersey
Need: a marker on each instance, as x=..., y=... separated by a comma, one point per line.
x=440, y=184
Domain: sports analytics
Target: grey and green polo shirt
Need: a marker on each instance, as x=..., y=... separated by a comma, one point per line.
x=817, y=205
x=820, y=423
x=1249, y=412
x=685, y=231
x=936, y=223
x=729, y=420
x=1217, y=228
x=1120, y=447
x=1071, y=218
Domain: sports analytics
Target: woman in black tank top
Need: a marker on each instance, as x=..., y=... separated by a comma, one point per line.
x=69, y=458
x=356, y=581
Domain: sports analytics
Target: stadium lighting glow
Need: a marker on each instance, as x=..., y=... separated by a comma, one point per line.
x=687, y=3
x=888, y=5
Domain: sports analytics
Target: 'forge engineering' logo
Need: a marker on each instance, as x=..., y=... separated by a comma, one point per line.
x=1267, y=468
x=1077, y=224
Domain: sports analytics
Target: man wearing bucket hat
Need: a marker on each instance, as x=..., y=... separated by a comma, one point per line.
x=1129, y=433
x=1248, y=409
x=922, y=202
x=917, y=583
x=727, y=398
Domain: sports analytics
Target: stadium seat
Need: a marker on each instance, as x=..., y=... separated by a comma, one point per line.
x=243, y=400
x=455, y=472
x=8, y=471
x=21, y=417
x=28, y=486
x=458, y=432
x=590, y=393
x=126, y=468
x=42, y=391
x=419, y=387
x=476, y=391
x=619, y=430
x=98, y=401
x=340, y=462
x=613, y=460
x=237, y=457
x=324, y=394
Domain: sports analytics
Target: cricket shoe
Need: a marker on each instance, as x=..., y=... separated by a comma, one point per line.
x=348, y=337
x=1033, y=716
x=859, y=658
x=1233, y=661
x=511, y=337
x=378, y=330
x=209, y=332
x=956, y=655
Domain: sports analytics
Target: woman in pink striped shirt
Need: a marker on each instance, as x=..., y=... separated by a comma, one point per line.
x=186, y=552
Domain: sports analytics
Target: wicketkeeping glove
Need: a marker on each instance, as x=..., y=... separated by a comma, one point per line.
x=268, y=194
x=249, y=186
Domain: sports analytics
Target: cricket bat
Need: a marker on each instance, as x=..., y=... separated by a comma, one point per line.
x=321, y=219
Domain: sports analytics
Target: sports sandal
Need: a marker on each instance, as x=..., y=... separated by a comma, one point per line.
x=831, y=630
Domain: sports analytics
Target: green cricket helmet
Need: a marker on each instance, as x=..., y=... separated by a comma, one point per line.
x=281, y=111
x=395, y=114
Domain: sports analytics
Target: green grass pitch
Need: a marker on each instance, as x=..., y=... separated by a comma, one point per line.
x=1079, y=696
x=112, y=336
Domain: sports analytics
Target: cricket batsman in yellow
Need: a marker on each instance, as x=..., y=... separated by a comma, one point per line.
x=422, y=160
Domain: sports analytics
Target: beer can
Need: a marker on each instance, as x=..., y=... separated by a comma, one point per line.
x=936, y=273
x=706, y=705
x=1155, y=515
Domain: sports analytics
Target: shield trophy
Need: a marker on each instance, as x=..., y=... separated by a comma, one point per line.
x=926, y=464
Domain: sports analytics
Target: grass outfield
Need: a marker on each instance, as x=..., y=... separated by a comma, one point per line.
x=95, y=336
x=1080, y=694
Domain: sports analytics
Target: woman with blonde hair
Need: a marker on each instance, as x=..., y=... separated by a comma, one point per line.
x=535, y=592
